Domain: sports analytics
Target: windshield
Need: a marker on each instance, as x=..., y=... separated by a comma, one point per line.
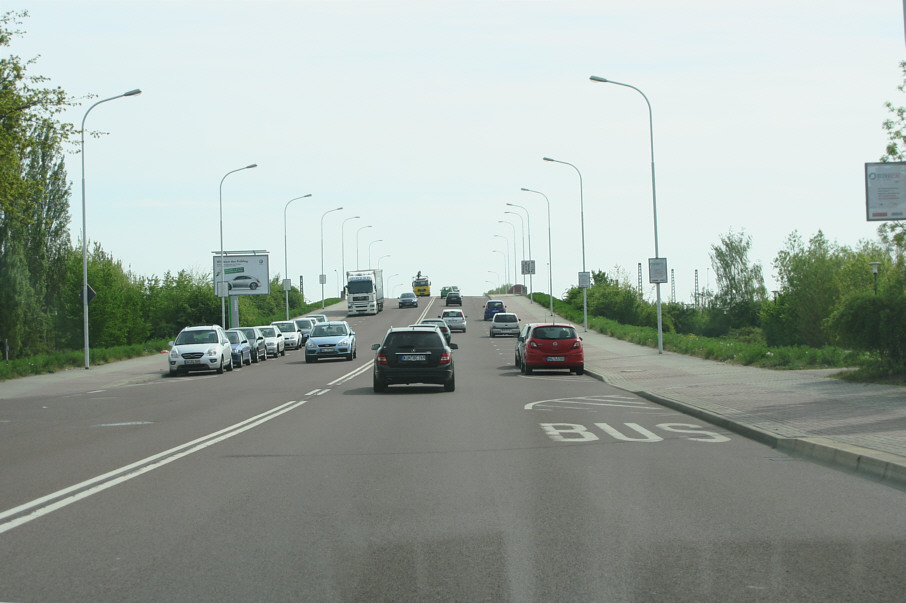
x=233, y=337
x=249, y=333
x=190, y=337
x=304, y=323
x=268, y=331
x=360, y=287
x=326, y=330
x=286, y=327
x=554, y=333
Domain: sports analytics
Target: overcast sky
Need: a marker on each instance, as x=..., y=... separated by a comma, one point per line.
x=426, y=118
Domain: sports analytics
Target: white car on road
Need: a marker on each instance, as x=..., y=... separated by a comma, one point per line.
x=200, y=348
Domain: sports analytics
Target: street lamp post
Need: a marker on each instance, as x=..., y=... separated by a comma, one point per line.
x=322, y=277
x=343, y=245
x=497, y=274
x=513, y=226
x=369, y=251
x=506, y=258
x=528, y=227
x=522, y=231
x=549, y=247
x=285, y=254
x=222, y=292
x=357, y=245
x=582, y=221
x=381, y=258
x=874, y=269
x=506, y=266
x=660, y=330
x=85, y=223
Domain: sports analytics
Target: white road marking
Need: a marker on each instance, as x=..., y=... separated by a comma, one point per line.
x=67, y=496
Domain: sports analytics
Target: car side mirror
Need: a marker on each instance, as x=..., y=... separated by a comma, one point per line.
x=352, y=332
x=452, y=346
x=375, y=346
x=171, y=343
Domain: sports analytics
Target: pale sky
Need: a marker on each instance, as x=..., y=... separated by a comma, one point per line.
x=426, y=118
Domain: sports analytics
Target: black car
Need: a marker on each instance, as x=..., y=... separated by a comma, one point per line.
x=413, y=355
x=408, y=300
x=454, y=298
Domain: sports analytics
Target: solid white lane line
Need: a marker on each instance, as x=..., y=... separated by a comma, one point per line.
x=123, y=474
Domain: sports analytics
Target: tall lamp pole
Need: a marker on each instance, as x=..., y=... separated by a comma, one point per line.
x=343, y=245
x=323, y=277
x=660, y=330
x=528, y=227
x=369, y=251
x=381, y=258
x=506, y=257
x=222, y=291
x=357, y=245
x=85, y=223
x=582, y=220
x=285, y=255
x=506, y=265
x=522, y=231
x=549, y=247
x=513, y=226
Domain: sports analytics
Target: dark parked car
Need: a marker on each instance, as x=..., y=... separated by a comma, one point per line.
x=413, y=355
x=550, y=346
x=256, y=341
x=454, y=298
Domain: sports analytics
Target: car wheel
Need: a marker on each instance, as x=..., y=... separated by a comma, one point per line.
x=249, y=363
x=283, y=352
x=525, y=369
x=378, y=385
x=310, y=359
x=230, y=365
x=253, y=286
x=349, y=356
x=220, y=368
x=580, y=370
x=450, y=385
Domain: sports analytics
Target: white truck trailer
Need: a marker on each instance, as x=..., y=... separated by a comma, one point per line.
x=365, y=291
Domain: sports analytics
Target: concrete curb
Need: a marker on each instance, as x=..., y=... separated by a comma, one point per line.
x=882, y=466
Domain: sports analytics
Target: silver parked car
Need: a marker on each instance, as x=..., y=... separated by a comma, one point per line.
x=504, y=323
x=273, y=340
x=292, y=336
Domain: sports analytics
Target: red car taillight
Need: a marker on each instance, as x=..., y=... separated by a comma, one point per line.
x=533, y=344
x=577, y=345
x=381, y=358
x=445, y=358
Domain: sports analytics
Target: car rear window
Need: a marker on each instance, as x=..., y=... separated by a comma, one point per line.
x=554, y=333
x=495, y=304
x=412, y=339
x=455, y=313
x=505, y=318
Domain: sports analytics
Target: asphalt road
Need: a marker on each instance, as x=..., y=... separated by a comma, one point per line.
x=294, y=481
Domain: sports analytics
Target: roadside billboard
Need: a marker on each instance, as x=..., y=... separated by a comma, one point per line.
x=885, y=191
x=243, y=274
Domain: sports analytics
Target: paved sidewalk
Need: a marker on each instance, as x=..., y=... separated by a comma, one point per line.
x=805, y=413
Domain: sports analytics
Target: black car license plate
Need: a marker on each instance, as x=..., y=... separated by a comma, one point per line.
x=412, y=358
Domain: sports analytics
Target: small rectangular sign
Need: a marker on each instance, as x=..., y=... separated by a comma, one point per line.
x=657, y=270
x=242, y=275
x=885, y=191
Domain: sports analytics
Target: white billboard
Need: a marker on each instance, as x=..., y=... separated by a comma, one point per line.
x=243, y=274
x=885, y=191
x=657, y=270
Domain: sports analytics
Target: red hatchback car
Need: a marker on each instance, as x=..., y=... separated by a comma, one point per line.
x=550, y=346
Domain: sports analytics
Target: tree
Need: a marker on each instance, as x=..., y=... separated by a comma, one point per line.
x=740, y=283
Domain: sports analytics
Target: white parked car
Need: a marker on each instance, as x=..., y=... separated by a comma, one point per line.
x=273, y=340
x=455, y=319
x=200, y=348
x=292, y=336
x=504, y=323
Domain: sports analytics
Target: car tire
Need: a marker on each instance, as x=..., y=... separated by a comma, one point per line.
x=283, y=352
x=310, y=359
x=378, y=385
x=450, y=385
x=253, y=286
x=349, y=356
x=220, y=368
x=249, y=363
x=230, y=365
x=580, y=370
x=525, y=369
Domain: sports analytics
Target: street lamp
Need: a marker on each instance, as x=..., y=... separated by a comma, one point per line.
x=223, y=291
x=506, y=266
x=343, y=244
x=528, y=227
x=874, y=269
x=381, y=258
x=322, y=277
x=369, y=251
x=506, y=257
x=357, y=245
x=582, y=220
x=522, y=229
x=285, y=255
x=660, y=331
x=85, y=222
x=549, y=247
x=513, y=226
x=497, y=274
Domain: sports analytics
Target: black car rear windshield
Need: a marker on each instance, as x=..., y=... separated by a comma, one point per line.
x=413, y=340
x=554, y=333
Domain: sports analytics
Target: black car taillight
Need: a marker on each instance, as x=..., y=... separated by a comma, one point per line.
x=445, y=358
x=381, y=358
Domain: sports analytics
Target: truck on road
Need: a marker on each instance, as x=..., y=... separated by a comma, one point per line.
x=421, y=285
x=365, y=291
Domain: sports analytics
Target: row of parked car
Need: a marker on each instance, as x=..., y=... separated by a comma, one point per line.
x=211, y=347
